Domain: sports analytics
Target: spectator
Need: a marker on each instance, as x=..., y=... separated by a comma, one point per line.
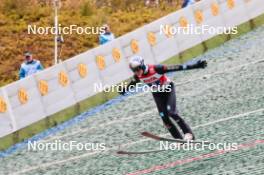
x=29, y=66
x=106, y=36
x=187, y=3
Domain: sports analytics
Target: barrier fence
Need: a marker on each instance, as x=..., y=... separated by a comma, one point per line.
x=32, y=99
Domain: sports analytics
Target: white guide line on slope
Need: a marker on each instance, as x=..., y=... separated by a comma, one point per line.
x=150, y=111
x=73, y=158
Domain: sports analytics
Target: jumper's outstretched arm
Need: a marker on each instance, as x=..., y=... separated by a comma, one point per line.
x=173, y=68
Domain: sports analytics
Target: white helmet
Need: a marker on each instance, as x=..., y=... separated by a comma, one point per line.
x=136, y=63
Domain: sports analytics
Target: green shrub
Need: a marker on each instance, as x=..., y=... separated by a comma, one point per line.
x=86, y=9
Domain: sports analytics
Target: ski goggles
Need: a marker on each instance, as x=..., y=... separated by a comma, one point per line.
x=135, y=69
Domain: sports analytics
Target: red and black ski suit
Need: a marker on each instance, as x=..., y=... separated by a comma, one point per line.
x=166, y=100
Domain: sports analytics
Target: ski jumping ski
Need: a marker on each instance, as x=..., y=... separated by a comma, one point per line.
x=158, y=138
x=155, y=137
x=139, y=152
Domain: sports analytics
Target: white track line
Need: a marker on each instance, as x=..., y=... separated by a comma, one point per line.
x=46, y=165
x=221, y=72
x=233, y=117
x=148, y=112
x=79, y=131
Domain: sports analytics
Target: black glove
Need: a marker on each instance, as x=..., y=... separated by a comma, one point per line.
x=199, y=64
x=202, y=64
x=122, y=90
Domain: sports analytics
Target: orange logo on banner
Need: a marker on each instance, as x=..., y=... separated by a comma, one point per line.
x=152, y=38
x=100, y=62
x=230, y=4
x=183, y=22
x=199, y=16
x=116, y=54
x=215, y=9
x=3, y=106
x=63, y=78
x=167, y=30
x=82, y=69
x=43, y=87
x=22, y=96
x=134, y=46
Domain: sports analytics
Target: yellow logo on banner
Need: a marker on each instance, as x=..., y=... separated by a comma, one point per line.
x=230, y=4
x=215, y=9
x=100, y=62
x=82, y=69
x=22, y=96
x=43, y=87
x=183, y=22
x=3, y=106
x=116, y=54
x=63, y=78
x=199, y=16
x=134, y=46
x=152, y=38
x=167, y=30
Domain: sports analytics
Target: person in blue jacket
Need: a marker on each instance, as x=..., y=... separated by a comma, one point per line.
x=106, y=36
x=187, y=2
x=29, y=66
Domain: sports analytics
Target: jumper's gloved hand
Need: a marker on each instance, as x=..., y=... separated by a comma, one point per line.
x=202, y=64
x=198, y=64
x=122, y=90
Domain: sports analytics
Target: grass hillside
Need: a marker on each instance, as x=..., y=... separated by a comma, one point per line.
x=15, y=15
